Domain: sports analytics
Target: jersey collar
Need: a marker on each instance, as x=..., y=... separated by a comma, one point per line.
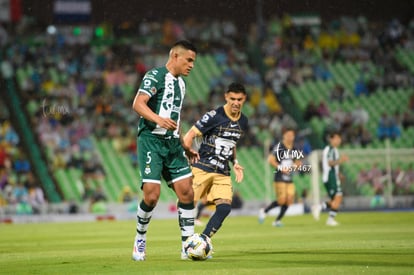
x=229, y=115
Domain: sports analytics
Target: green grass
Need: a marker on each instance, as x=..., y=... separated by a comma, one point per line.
x=369, y=243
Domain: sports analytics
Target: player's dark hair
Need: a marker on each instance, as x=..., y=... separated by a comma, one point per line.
x=333, y=133
x=236, y=88
x=186, y=45
x=288, y=129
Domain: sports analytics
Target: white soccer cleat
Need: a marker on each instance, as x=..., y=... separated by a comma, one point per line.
x=184, y=255
x=262, y=215
x=277, y=224
x=331, y=222
x=316, y=211
x=138, y=254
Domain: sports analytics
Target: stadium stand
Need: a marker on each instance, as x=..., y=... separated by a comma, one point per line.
x=78, y=96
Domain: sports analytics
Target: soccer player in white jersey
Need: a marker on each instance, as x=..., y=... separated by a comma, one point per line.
x=160, y=153
x=331, y=178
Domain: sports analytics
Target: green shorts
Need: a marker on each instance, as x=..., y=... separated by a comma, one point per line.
x=333, y=186
x=161, y=157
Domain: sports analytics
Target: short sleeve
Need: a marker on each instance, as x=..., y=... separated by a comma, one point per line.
x=149, y=84
x=206, y=122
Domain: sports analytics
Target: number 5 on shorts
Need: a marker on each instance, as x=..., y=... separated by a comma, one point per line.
x=148, y=158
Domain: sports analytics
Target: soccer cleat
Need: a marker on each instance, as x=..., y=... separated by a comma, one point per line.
x=331, y=222
x=316, y=211
x=277, y=224
x=138, y=254
x=262, y=215
x=184, y=255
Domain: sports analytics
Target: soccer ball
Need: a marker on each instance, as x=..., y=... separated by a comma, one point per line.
x=198, y=247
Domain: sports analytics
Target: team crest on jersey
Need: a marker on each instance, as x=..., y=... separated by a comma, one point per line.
x=153, y=90
x=147, y=170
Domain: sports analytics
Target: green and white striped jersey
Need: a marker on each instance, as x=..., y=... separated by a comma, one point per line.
x=328, y=154
x=166, y=99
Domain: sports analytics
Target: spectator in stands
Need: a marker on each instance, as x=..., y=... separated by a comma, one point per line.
x=321, y=71
x=88, y=191
x=36, y=198
x=92, y=169
x=322, y=110
x=388, y=127
x=360, y=116
x=5, y=161
x=365, y=136
x=21, y=165
x=311, y=111
x=338, y=93
x=411, y=103
x=20, y=198
x=9, y=134
x=410, y=178
x=395, y=130
x=361, y=87
x=76, y=160
x=407, y=120
x=376, y=177
x=126, y=194
x=98, y=205
x=397, y=177
x=363, y=178
x=4, y=179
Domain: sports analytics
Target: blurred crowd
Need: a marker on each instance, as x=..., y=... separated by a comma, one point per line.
x=77, y=91
x=18, y=185
x=376, y=180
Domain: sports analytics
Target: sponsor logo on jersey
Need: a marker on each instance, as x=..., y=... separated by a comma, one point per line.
x=217, y=163
x=153, y=90
x=176, y=109
x=231, y=134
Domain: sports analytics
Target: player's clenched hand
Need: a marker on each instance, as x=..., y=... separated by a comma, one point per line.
x=167, y=123
x=192, y=155
x=238, y=170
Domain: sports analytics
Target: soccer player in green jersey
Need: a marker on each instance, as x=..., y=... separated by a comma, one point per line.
x=331, y=178
x=160, y=153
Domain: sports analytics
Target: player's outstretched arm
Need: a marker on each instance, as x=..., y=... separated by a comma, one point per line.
x=339, y=161
x=140, y=105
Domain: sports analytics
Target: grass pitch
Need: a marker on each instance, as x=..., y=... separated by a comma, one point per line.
x=369, y=243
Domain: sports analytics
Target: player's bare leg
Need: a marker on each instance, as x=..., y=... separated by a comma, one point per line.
x=144, y=213
x=185, y=194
